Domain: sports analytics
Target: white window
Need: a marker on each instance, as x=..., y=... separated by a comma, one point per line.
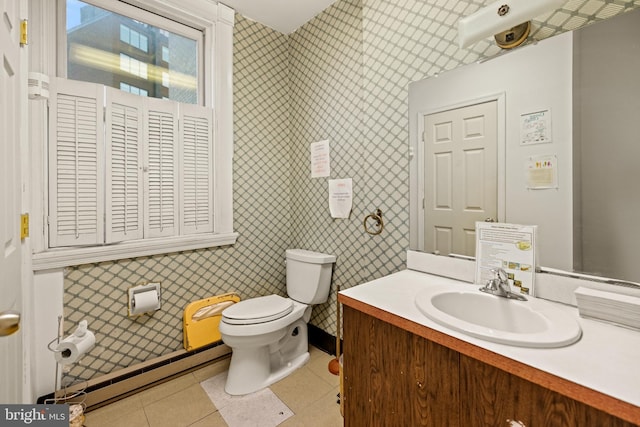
x=133, y=89
x=131, y=175
x=99, y=33
x=125, y=33
x=133, y=66
x=134, y=38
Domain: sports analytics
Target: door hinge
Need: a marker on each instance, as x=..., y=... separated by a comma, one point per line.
x=24, y=226
x=24, y=35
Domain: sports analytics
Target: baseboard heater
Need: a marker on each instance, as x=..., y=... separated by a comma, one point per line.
x=122, y=383
x=109, y=388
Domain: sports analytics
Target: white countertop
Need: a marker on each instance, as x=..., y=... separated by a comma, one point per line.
x=605, y=359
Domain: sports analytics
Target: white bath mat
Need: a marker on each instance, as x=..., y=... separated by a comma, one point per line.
x=260, y=409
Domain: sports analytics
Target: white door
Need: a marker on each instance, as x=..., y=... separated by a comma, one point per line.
x=460, y=178
x=10, y=276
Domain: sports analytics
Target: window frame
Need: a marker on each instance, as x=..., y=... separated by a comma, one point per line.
x=216, y=23
x=141, y=14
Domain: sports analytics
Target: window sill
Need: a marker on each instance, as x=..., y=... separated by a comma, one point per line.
x=65, y=257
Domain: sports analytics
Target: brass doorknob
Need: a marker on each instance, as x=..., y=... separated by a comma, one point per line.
x=9, y=322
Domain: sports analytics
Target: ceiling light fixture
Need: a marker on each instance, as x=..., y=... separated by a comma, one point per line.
x=501, y=16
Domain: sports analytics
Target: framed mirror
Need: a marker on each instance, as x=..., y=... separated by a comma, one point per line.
x=567, y=144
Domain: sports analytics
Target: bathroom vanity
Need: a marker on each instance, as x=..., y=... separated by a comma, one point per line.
x=402, y=369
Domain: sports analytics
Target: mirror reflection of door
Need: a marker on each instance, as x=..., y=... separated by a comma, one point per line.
x=460, y=176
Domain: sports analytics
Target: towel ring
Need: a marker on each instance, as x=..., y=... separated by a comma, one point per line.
x=378, y=223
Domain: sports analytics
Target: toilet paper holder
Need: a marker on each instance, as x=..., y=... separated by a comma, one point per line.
x=72, y=393
x=143, y=298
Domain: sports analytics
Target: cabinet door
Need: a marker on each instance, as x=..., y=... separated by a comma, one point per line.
x=490, y=397
x=395, y=378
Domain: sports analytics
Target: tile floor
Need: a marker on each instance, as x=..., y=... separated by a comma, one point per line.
x=310, y=392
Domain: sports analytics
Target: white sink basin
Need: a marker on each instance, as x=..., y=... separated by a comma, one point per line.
x=532, y=323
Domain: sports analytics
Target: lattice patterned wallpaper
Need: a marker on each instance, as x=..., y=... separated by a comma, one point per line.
x=343, y=76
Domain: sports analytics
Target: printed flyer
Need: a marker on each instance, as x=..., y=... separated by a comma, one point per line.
x=511, y=247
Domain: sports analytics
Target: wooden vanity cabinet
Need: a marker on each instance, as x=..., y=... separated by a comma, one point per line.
x=393, y=377
x=490, y=396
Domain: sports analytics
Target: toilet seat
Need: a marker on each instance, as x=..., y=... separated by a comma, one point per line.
x=257, y=310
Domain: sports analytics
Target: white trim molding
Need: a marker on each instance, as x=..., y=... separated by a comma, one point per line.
x=223, y=95
x=64, y=257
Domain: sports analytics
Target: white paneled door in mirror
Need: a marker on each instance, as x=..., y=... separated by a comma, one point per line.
x=460, y=186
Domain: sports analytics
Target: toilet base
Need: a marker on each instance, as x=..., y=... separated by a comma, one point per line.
x=254, y=368
x=241, y=387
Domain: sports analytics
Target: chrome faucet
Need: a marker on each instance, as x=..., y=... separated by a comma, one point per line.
x=499, y=286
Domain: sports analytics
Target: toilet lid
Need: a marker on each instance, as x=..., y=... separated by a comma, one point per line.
x=258, y=310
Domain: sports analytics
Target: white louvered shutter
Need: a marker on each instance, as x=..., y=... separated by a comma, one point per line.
x=76, y=179
x=196, y=166
x=161, y=160
x=124, y=196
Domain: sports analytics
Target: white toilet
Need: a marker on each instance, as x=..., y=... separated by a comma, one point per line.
x=268, y=335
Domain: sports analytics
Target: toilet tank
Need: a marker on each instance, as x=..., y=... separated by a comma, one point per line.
x=309, y=275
